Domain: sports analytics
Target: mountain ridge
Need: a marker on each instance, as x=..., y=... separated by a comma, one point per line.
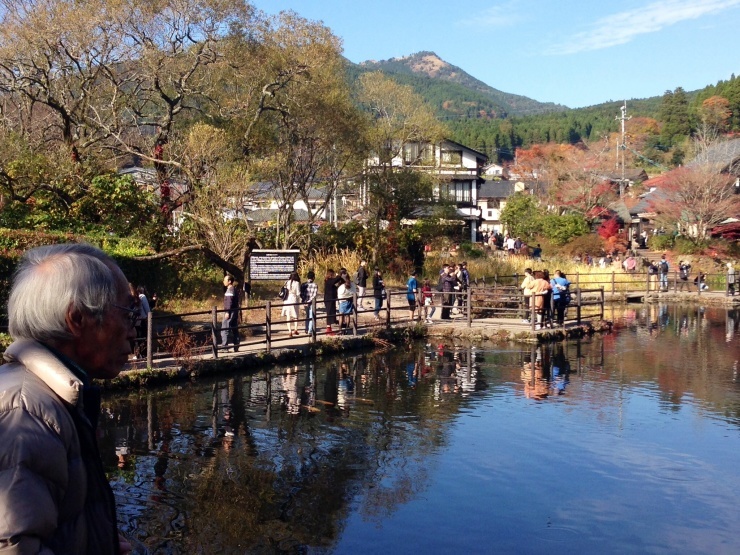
x=427, y=65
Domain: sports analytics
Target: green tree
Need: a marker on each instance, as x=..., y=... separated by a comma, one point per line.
x=522, y=216
x=674, y=114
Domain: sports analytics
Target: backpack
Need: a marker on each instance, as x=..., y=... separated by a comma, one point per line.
x=684, y=273
x=304, y=292
x=652, y=269
x=283, y=294
x=663, y=267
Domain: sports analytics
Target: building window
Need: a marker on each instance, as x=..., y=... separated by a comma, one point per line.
x=451, y=157
x=458, y=191
x=414, y=153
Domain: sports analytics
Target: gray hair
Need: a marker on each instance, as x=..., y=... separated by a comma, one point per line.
x=52, y=279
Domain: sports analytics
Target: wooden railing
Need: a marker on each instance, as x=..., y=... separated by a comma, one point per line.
x=262, y=324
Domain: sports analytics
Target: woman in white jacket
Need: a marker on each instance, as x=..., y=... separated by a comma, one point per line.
x=290, y=305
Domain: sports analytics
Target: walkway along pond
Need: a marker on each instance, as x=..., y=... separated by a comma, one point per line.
x=625, y=442
x=492, y=308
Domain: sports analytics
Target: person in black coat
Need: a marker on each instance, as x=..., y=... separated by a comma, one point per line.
x=331, y=282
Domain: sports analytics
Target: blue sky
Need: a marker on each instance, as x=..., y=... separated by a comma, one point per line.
x=573, y=52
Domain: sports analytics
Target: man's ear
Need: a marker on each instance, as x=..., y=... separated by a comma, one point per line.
x=76, y=321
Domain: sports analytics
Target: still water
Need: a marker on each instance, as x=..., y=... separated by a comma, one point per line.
x=623, y=443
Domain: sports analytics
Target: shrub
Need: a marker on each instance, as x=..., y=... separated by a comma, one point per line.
x=661, y=242
x=683, y=245
x=562, y=229
x=590, y=243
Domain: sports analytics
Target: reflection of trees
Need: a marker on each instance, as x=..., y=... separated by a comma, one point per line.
x=271, y=461
x=684, y=350
x=274, y=461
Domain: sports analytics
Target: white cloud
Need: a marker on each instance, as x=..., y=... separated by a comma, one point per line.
x=502, y=15
x=623, y=27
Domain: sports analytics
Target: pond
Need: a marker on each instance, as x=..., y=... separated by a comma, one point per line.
x=627, y=442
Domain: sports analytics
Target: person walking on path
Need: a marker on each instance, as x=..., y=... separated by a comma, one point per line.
x=560, y=289
x=412, y=289
x=290, y=305
x=230, y=322
x=663, y=269
x=71, y=316
x=449, y=282
x=361, y=281
x=345, y=292
x=331, y=282
x=540, y=288
x=428, y=300
x=730, y=280
x=141, y=323
x=312, y=291
x=378, y=291
x=526, y=287
x=684, y=270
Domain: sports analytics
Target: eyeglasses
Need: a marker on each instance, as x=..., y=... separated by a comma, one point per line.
x=133, y=314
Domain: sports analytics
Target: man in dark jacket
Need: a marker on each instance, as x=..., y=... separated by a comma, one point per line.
x=361, y=281
x=230, y=323
x=449, y=281
x=72, y=318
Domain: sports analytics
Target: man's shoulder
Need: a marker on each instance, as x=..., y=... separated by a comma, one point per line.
x=27, y=393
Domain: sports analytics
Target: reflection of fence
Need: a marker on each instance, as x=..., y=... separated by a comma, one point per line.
x=263, y=326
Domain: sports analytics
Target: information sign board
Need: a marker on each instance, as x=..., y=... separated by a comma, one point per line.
x=266, y=264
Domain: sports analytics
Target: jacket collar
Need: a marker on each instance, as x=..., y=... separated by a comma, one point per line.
x=43, y=363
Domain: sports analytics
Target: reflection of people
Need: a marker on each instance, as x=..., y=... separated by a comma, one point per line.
x=72, y=316
x=535, y=383
x=560, y=371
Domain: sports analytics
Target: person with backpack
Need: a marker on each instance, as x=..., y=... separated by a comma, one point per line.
x=309, y=291
x=684, y=270
x=663, y=271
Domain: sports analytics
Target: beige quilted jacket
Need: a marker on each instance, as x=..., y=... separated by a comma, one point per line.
x=54, y=496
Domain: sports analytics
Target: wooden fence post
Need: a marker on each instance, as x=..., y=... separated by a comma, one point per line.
x=388, y=309
x=313, y=320
x=613, y=289
x=648, y=283
x=578, y=306
x=469, y=298
x=602, y=303
x=214, y=332
x=149, y=339
x=268, y=326
x=354, y=313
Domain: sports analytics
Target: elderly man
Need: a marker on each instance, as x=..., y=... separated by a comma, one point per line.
x=72, y=317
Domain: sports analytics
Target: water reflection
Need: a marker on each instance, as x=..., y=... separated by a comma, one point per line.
x=320, y=457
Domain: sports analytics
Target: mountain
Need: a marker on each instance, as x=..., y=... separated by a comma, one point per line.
x=454, y=93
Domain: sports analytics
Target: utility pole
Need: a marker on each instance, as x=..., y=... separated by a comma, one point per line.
x=622, y=146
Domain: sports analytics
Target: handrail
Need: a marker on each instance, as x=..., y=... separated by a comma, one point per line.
x=486, y=297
